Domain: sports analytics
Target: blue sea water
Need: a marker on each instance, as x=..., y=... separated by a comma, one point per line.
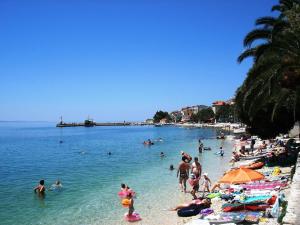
x=90, y=177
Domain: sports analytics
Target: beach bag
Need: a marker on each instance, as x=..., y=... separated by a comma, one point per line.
x=206, y=212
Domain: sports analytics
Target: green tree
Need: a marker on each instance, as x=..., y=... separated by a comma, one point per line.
x=225, y=114
x=161, y=115
x=205, y=115
x=268, y=100
x=195, y=117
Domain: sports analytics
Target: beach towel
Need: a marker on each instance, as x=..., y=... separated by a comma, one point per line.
x=238, y=207
x=233, y=216
x=266, y=185
x=258, y=198
x=227, y=197
x=214, y=195
x=247, y=216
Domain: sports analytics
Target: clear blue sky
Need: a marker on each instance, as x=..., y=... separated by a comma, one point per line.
x=119, y=60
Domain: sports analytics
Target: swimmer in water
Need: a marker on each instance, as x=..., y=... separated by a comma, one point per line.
x=171, y=167
x=148, y=142
x=109, y=153
x=221, y=151
x=56, y=186
x=162, y=154
x=40, y=189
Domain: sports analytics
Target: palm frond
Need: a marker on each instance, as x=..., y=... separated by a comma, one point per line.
x=268, y=21
x=277, y=8
x=247, y=53
x=257, y=34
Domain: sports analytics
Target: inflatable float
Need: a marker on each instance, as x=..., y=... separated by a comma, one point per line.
x=123, y=194
x=133, y=218
x=191, y=210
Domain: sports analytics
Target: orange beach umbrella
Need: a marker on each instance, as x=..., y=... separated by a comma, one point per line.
x=241, y=175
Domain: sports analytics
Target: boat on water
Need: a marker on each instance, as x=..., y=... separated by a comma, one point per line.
x=240, y=130
x=89, y=123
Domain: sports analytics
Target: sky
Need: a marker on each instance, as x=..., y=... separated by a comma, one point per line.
x=118, y=60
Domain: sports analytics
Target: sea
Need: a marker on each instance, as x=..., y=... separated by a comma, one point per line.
x=91, y=178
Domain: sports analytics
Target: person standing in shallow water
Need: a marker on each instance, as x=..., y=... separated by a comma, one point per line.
x=40, y=189
x=183, y=172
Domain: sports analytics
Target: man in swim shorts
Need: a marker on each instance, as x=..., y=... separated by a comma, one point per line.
x=183, y=172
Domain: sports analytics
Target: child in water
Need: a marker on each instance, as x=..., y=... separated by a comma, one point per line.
x=40, y=189
x=131, y=208
x=128, y=202
x=124, y=187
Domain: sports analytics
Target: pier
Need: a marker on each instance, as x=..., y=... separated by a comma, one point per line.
x=92, y=125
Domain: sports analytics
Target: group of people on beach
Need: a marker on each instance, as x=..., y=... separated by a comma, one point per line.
x=191, y=172
x=244, y=152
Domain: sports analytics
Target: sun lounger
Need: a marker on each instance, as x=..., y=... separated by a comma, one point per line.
x=253, y=157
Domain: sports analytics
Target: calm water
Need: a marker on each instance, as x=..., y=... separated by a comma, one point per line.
x=90, y=177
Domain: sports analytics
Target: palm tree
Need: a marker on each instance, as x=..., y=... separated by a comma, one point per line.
x=269, y=97
x=277, y=36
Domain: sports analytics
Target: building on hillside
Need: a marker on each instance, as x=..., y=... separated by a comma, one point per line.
x=176, y=116
x=187, y=112
x=164, y=121
x=217, y=105
x=230, y=102
x=149, y=121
